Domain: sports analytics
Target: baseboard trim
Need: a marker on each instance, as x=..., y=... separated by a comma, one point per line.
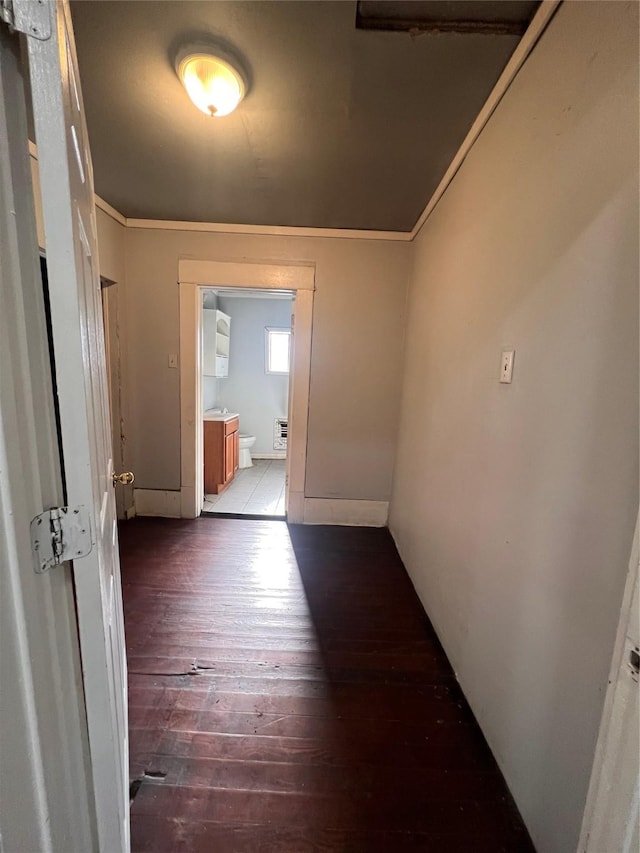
x=295, y=508
x=348, y=513
x=275, y=455
x=158, y=503
x=189, y=507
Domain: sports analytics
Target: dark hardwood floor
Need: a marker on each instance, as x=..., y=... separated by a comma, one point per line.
x=287, y=693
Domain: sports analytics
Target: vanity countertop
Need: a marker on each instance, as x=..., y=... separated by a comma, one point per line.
x=220, y=416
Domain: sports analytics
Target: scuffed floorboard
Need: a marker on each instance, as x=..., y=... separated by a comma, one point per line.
x=288, y=694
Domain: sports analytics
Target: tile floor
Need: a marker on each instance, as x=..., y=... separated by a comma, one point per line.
x=255, y=491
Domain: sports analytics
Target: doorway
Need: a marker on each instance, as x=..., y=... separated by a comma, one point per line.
x=194, y=278
x=111, y=318
x=246, y=361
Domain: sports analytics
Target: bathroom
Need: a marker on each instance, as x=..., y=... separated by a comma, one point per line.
x=246, y=348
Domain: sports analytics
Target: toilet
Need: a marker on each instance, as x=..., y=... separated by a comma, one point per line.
x=246, y=443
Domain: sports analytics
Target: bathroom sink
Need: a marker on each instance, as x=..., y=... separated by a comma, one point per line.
x=219, y=416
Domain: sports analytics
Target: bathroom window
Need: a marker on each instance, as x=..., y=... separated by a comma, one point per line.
x=277, y=350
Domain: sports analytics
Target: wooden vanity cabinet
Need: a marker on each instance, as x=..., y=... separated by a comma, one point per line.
x=221, y=454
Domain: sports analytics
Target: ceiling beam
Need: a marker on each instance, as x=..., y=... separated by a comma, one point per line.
x=536, y=28
x=435, y=27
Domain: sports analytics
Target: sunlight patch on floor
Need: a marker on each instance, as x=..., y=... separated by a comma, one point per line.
x=254, y=491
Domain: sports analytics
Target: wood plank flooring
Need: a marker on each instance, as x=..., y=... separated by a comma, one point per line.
x=288, y=694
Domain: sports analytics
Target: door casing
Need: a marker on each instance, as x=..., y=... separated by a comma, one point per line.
x=196, y=276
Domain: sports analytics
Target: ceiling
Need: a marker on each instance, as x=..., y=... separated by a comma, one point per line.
x=342, y=127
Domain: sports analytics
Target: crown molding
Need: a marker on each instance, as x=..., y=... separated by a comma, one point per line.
x=110, y=211
x=269, y=230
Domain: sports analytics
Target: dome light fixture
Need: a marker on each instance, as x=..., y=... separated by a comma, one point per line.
x=214, y=83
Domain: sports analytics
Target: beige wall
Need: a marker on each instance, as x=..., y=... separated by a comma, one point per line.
x=514, y=505
x=358, y=322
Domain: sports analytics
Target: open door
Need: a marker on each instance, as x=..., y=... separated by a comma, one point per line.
x=612, y=814
x=81, y=378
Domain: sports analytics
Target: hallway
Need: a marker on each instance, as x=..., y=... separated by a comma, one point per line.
x=288, y=694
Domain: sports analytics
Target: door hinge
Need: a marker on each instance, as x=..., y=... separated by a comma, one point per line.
x=60, y=534
x=27, y=16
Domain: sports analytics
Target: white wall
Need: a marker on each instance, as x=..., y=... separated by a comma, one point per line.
x=514, y=505
x=209, y=392
x=257, y=396
x=358, y=324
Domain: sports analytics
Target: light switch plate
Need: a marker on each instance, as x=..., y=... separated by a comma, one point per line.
x=506, y=365
x=173, y=359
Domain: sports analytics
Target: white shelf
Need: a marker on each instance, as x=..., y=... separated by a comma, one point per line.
x=216, y=337
x=222, y=345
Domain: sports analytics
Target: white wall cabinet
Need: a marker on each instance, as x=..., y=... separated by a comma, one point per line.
x=216, y=335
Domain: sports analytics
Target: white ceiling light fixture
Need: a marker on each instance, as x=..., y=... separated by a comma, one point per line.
x=214, y=82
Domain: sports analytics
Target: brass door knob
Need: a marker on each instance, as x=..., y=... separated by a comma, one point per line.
x=124, y=479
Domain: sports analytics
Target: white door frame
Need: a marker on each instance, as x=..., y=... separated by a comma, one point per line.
x=195, y=276
x=112, y=309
